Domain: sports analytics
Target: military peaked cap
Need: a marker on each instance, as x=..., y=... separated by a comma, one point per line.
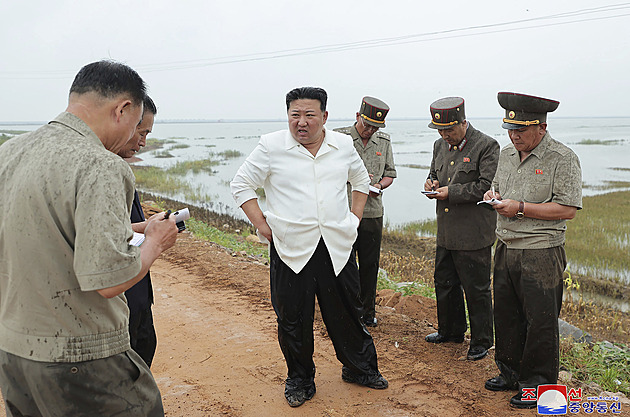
x=522, y=110
x=447, y=112
x=373, y=111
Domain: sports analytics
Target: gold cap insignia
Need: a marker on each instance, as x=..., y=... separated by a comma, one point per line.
x=511, y=114
x=437, y=116
x=379, y=114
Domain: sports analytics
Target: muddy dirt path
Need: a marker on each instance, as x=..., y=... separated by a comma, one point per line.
x=218, y=353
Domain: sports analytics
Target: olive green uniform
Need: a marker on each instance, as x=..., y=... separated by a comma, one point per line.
x=465, y=235
x=378, y=157
x=530, y=260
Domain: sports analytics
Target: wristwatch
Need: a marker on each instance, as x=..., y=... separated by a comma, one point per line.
x=521, y=210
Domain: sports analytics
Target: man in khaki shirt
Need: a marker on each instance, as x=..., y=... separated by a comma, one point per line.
x=65, y=260
x=375, y=149
x=539, y=185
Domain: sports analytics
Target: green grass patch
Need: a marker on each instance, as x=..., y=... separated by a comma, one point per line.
x=620, y=169
x=607, y=185
x=385, y=282
x=179, y=146
x=4, y=138
x=163, y=154
x=184, y=167
x=13, y=132
x=600, y=142
x=226, y=239
x=158, y=180
x=602, y=363
x=228, y=154
x=598, y=238
x=421, y=228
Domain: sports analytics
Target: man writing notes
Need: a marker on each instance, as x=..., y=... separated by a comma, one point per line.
x=304, y=171
x=463, y=165
x=539, y=183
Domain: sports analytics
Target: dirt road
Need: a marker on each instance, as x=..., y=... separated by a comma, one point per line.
x=218, y=354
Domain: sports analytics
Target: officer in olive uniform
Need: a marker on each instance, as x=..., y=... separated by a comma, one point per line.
x=539, y=182
x=375, y=149
x=464, y=163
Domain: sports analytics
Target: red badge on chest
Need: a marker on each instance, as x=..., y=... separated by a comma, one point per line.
x=539, y=171
x=466, y=159
x=378, y=154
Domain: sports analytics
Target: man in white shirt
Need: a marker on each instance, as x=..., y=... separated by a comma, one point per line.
x=310, y=230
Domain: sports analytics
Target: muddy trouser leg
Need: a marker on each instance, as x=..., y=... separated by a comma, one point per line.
x=449, y=295
x=473, y=268
x=510, y=325
x=368, y=248
x=293, y=299
x=541, y=283
x=338, y=298
x=120, y=385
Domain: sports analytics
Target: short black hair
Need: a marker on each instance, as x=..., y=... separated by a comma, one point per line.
x=149, y=106
x=109, y=79
x=309, y=93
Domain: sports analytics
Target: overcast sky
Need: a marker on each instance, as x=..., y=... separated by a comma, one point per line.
x=202, y=59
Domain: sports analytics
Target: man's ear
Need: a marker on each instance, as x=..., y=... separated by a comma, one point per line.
x=325, y=116
x=122, y=107
x=543, y=128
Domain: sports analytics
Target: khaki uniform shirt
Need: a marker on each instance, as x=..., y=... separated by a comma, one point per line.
x=468, y=171
x=64, y=234
x=551, y=173
x=378, y=158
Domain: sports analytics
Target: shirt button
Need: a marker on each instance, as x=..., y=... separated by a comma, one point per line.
x=74, y=369
x=446, y=210
x=504, y=231
x=455, y=147
x=519, y=171
x=452, y=163
x=509, y=243
x=449, y=179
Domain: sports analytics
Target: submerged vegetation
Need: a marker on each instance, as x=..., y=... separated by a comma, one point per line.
x=598, y=239
x=600, y=142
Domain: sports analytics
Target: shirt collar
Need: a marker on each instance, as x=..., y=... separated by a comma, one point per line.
x=329, y=140
x=75, y=123
x=463, y=143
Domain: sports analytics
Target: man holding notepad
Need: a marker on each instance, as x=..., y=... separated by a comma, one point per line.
x=463, y=166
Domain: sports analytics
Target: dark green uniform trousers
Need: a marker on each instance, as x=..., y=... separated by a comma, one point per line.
x=527, y=301
x=368, y=248
x=470, y=270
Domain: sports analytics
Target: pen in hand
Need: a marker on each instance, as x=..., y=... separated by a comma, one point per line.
x=168, y=213
x=493, y=194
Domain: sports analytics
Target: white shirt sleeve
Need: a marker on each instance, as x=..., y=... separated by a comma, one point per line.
x=251, y=175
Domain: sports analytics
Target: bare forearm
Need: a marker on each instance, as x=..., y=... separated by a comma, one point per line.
x=148, y=254
x=549, y=211
x=358, y=203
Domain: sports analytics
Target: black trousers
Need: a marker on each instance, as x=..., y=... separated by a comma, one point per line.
x=142, y=334
x=368, y=249
x=293, y=299
x=470, y=270
x=527, y=301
